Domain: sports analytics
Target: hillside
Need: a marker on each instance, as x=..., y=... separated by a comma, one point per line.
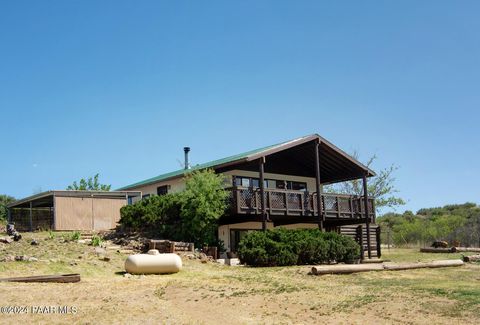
x=455, y=223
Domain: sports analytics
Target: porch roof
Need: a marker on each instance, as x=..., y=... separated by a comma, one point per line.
x=294, y=157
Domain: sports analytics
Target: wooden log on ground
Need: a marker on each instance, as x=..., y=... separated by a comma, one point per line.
x=63, y=278
x=438, y=250
x=468, y=249
x=372, y=260
x=354, y=268
x=410, y=266
x=345, y=269
x=471, y=258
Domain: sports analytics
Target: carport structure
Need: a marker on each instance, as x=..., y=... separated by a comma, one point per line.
x=70, y=210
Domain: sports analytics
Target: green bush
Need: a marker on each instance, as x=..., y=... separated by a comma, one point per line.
x=155, y=213
x=281, y=247
x=75, y=235
x=191, y=215
x=96, y=240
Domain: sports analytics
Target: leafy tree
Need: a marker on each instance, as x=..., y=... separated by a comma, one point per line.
x=4, y=201
x=203, y=202
x=381, y=186
x=191, y=215
x=452, y=223
x=91, y=184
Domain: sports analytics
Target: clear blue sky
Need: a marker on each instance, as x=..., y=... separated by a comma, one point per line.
x=119, y=87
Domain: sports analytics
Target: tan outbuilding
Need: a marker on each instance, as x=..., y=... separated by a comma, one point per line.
x=70, y=210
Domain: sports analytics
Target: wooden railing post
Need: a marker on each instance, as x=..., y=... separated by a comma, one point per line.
x=318, y=185
x=286, y=202
x=262, y=193
x=350, y=204
x=269, y=200
x=302, y=203
x=338, y=207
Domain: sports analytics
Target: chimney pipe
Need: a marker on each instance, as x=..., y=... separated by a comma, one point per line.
x=186, y=150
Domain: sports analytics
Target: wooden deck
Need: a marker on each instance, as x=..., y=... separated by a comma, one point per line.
x=299, y=203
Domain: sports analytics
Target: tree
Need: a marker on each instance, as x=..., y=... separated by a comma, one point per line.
x=202, y=203
x=4, y=201
x=91, y=184
x=381, y=186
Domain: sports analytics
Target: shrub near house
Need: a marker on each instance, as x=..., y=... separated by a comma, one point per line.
x=190, y=215
x=282, y=247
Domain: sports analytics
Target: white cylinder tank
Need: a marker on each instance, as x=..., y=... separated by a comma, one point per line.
x=153, y=263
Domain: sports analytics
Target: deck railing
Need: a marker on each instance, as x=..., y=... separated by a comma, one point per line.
x=246, y=200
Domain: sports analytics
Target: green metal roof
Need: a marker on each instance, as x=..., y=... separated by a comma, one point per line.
x=210, y=164
x=246, y=156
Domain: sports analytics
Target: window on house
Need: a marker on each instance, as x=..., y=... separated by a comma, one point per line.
x=269, y=183
x=162, y=190
x=235, y=236
x=145, y=196
x=297, y=186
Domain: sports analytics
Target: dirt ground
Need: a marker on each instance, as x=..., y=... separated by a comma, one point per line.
x=217, y=294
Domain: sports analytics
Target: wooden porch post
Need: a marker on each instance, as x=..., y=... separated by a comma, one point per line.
x=367, y=215
x=31, y=221
x=318, y=185
x=262, y=193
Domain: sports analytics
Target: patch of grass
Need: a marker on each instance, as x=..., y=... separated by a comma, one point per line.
x=356, y=301
x=96, y=240
x=75, y=236
x=51, y=234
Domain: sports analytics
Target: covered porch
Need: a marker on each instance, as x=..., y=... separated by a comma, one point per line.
x=310, y=157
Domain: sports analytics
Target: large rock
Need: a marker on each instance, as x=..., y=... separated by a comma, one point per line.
x=100, y=250
x=6, y=240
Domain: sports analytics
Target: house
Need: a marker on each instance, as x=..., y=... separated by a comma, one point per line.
x=281, y=185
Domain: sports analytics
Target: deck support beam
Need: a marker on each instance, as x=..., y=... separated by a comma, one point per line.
x=261, y=168
x=367, y=215
x=318, y=186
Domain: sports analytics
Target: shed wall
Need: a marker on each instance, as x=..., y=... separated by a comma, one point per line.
x=74, y=213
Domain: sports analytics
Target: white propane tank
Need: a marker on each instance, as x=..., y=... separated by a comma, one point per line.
x=153, y=263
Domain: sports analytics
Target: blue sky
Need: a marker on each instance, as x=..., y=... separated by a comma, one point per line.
x=119, y=87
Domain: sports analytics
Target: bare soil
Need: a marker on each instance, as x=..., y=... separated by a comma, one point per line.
x=216, y=294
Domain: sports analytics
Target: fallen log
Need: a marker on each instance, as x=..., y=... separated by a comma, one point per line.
x=371, y=261
x=345, y=269
x=438, y=250
x=420, y=265
x=471, y=258
x=468, y=249
x=63, y=278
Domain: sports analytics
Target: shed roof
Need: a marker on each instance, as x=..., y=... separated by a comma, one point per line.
x=245, y=160
x=47, y=196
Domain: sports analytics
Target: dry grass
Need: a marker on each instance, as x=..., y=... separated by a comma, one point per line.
x=216, y=294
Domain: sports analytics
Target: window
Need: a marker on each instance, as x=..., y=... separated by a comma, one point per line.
x=235, y=237
x=269, y=183
x=162, y=190
x=297, y=186
x=145, y=196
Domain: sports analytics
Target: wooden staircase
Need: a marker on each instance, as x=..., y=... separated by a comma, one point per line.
x=359, y=234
